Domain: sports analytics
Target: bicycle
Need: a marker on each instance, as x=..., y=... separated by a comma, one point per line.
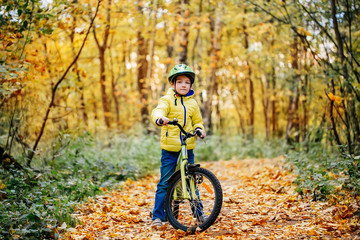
x=194, y=197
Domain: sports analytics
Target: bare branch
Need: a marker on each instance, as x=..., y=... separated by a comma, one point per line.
x=317, y=22
x=31, y=154
x=268, y=12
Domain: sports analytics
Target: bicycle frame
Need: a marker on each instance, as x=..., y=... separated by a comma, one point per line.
x=182, y=165
x=188, y=185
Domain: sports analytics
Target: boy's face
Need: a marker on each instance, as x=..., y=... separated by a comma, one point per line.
x=183, y=84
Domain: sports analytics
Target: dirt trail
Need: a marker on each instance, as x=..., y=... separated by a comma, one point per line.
x=259, y=203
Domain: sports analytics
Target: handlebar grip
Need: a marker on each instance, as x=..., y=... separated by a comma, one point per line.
x=199, y=133
x=173, y=122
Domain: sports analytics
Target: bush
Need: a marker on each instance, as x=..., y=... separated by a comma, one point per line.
x=34, y=203
x=324, y=172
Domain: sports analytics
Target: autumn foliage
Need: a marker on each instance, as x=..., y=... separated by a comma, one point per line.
x=259, y=202
x=279, y=76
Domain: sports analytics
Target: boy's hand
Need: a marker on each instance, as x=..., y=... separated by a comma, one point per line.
x=203, y=133
x=163, y=121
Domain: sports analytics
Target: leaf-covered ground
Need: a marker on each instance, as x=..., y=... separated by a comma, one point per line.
x=259, y=203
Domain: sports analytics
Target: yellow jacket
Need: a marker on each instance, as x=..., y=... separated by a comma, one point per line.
x=186, y=110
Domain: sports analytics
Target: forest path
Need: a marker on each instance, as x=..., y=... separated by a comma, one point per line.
x=259, y=203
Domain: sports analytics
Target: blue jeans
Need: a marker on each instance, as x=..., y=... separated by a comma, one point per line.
x=168, y=165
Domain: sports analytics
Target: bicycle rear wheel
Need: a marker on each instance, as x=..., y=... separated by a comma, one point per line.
x=200, y=211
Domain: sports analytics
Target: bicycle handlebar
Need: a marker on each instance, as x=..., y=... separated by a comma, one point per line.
x=175, y=122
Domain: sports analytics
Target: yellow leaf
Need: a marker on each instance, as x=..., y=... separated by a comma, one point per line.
x=338, y=99
x=303, y=31
x=335, y=98
x=114, y=235
x=1, y=185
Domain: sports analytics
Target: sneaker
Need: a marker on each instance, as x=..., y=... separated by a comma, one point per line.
x=202, y=218
x=156, y=223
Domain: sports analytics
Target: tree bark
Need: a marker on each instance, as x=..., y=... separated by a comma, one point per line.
x=142, y=66
x=170, y=38
x=250, y=84
x=102, y=49
x=241, y=118
x=196, y=50
x=265, y=90
x=292, y=127
x=78, y=77
x=340, y=52
x=184, y=31
x=114, y=91
x=305, y=107
x=149, y=73
x=215, y=27
x=274, y=114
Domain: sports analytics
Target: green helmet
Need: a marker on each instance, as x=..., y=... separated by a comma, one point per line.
x=181, y=69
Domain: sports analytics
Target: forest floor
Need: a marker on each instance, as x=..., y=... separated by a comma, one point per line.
x=259, y=203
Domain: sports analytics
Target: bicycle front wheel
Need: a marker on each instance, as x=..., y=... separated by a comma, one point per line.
x=199, y=210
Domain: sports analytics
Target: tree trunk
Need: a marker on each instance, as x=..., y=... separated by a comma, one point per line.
x=265, y=90
x=152, y=15
x=196, y=50
x=184, y=31
x=142, y=66
x=102, y=49
x=215, y=27
x=169, y=52
x=351, y=117
x=237, y=105
x=305, y=107
x=292, y=127
x=274, y=114
x=78, y=77
x=251, y=84
x=114, y=91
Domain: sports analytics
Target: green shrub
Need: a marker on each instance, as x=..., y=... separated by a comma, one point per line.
x=322, y=171
x=34, y=203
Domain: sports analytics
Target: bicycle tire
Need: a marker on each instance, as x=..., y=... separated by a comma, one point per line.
x=184, y=214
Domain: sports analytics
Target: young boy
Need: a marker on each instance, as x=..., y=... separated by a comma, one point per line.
x=177, y=103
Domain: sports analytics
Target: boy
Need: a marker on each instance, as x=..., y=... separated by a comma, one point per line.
x=177, y=103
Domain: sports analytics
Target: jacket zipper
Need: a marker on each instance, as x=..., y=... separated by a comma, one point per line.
x=182, y=103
